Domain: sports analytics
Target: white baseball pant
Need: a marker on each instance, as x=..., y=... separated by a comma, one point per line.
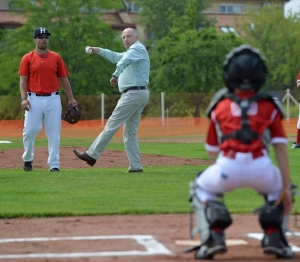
x=228, y=174
x=128, y=112
x=44, y=110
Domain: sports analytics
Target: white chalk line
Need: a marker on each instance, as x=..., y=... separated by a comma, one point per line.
x=229, y=242
x=152, y=247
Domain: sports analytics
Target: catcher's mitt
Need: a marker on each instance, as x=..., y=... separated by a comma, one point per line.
x=73, y=113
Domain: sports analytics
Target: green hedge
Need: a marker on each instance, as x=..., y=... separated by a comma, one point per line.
x=176, y=105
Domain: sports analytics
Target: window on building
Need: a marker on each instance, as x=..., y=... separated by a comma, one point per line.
x=228, y=29
x=131, y=7
x=10, y=4
x=232, y=8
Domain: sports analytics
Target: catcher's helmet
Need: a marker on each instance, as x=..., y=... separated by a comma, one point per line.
x=244, y=68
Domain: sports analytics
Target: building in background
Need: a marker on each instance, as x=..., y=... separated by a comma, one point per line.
x=226, y=12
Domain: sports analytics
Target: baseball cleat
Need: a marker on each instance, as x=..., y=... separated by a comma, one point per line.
x=85, y=157
x=55, y=169
x=135, y=171
x=28, y=166
x=214, y=245
x=273, y=244
x=295, y=145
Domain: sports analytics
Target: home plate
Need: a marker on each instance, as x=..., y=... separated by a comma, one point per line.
x=229, y=242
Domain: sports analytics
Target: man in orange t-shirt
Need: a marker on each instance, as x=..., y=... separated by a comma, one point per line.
x=41, y=73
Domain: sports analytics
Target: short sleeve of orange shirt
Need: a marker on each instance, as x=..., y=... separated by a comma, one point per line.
x=43, y=72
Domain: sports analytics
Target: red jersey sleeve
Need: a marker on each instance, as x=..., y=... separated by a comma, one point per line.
x=298, y=78
x=62, y=70
x=24, y=66
x=277, y=131
x=212, y=143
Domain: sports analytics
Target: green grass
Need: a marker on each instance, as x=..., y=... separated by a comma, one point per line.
x=101, y=191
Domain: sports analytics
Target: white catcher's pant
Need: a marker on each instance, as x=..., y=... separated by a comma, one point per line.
x=45, y=110
x=228, y=174
x=128, y=112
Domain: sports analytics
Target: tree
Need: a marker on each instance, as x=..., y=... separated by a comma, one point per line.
x=189, y=60
x=277, y=38
x=73, y=25
x=159, y=16
x=191, y=63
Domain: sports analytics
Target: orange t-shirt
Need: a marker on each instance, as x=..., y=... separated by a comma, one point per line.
x=42, y=72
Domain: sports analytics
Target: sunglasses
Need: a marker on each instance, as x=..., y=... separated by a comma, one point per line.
x=42, y=37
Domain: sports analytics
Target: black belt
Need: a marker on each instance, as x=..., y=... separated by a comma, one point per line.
x=135, y=88
x=49, y=94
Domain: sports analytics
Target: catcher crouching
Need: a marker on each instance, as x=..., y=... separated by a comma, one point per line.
x=242, y=123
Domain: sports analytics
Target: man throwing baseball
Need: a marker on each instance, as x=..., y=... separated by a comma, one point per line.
x=41, y=73
x=242, y=119
x=132, y=78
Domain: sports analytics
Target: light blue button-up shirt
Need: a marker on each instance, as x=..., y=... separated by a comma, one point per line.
x=133, y=66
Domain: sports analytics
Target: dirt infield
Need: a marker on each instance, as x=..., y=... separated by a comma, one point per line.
x=109, y=158
x=150, y=238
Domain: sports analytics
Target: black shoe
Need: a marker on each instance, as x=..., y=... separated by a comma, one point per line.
x=28, y=166
x=276, y=244
x=85, y=157
x=295, y=145
x=214, y=245
x=135, y=171
x=55, y=169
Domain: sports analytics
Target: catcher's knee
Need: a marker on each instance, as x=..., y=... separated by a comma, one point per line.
x=212, y=214
x=209, y=215
x=217, y=214
x=271, y=216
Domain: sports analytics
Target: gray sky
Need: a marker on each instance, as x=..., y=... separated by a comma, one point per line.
x=292, y=4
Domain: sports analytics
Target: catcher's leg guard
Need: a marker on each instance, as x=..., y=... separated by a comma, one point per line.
x=274, y=223
x=211, y=218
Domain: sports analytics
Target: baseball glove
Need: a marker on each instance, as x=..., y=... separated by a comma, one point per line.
x=73, y=113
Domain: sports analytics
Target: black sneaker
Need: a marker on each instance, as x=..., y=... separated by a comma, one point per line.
x=214, y=245
x=275, y=244
x=135, y=171
x=55, y=169
x=295, y=145
x=28, y=166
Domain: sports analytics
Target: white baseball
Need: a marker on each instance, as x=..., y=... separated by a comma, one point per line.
x=88, y=50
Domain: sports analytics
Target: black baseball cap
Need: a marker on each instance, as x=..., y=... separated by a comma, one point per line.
x=40, y=31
